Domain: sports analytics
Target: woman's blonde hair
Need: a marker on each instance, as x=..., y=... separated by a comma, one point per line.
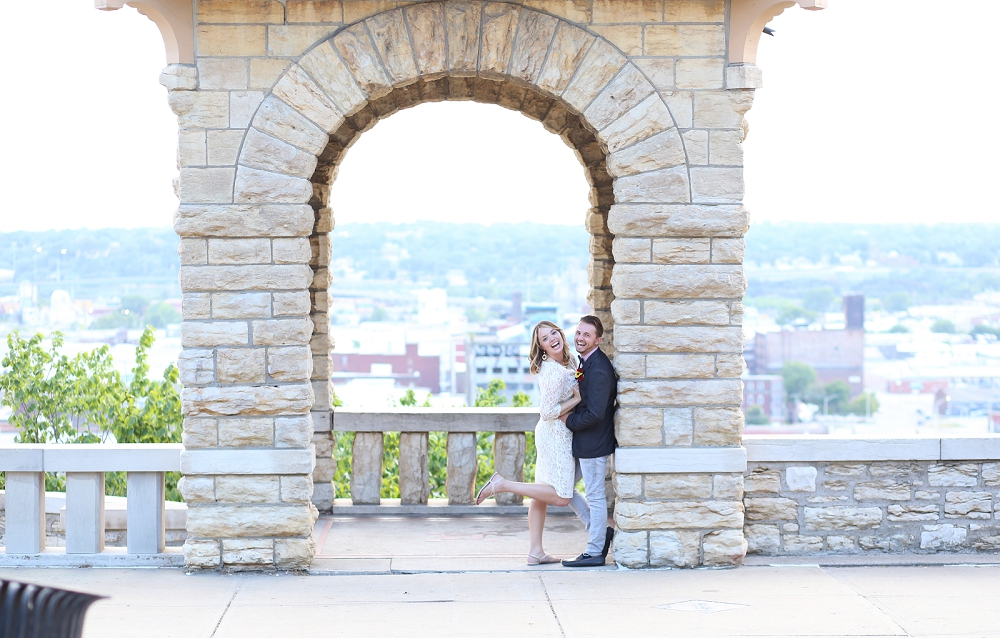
x=536, y=352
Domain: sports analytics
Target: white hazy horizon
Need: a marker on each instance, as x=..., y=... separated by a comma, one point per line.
x=863, y=118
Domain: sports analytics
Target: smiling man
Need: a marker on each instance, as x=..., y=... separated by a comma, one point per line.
x=593, y=426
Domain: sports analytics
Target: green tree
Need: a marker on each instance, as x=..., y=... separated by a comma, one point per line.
x=756, y=416
x=945, y=326
x=841, y=392
x=899, y=328
x=860, y=405
x=160, y=315
x=798, y=377
x=819, y=299
x=983, y=329
x=897, y=301
x=791, y=313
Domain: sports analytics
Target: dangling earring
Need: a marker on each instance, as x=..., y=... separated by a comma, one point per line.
x=544, y=356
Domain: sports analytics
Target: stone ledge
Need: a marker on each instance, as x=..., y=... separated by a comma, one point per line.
x=678, y=460
x=436, y=507
x=110, y=557
x=86, y=457
x=764, y=448
x=217, y=462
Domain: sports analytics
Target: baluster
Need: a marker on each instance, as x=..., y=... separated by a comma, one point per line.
x=414, y=478
x=366, y=468
x=508, y=461
x=146, y=513
x=25, y=511
x=84, y=512
x=462, y=468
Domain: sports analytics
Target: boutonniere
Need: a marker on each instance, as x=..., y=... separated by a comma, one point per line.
x=579, y=373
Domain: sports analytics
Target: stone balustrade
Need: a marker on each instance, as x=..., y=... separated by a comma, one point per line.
x=84, y=465
x=509, y=426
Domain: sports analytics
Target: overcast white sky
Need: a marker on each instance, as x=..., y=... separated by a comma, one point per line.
x=872, y=111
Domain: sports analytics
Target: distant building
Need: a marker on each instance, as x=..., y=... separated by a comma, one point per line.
x=505, y=361
x=407, y=370
x=836, y=355
x=765, y=391
x=916, y=386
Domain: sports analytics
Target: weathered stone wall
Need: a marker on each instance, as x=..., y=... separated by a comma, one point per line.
x=872, y=507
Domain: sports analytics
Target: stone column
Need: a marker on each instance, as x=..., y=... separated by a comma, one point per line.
x=508, y=461
x=322, y=346
x=462, y=468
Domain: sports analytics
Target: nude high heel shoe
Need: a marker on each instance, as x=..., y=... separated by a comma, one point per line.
x=491, y=485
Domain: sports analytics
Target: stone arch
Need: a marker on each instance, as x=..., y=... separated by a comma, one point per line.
x=578, y=85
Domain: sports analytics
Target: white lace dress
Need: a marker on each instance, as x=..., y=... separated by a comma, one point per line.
x=553, y=441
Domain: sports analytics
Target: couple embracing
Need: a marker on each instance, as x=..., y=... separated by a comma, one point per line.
x=573, y=439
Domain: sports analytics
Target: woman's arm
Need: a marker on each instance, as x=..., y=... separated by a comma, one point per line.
x=568, y=405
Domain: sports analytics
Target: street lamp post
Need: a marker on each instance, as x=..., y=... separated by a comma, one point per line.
x=826, y=403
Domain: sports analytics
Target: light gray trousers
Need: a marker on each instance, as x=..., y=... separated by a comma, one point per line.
x=593, y=510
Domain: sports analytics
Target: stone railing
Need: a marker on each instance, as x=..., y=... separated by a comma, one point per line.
x=820, y=495
x=84, y=465
x=415, y=426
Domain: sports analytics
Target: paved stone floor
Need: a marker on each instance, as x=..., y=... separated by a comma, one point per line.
x=465, y=577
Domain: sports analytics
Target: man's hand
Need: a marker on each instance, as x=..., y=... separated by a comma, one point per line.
x=563, y=417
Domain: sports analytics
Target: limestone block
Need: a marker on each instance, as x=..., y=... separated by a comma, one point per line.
x=355, y=10
x=314, y=11
x=236, y=12
x=991, y=474
x=627, y=37
x=462, y=467
x=696, y=145
x=291, y=250
x=282, y=332
x=639, y=426
x=882, y=490
x=196, y=366
x=842, y=518
x=678, y=221
x=321, y=344
x=293, y=432
x=721, y=109
x=569, y=46
x=241, y=305
x=366, y=468
x=246, y=432
x=279, y=120
x=296, y=489
x=701, y=73
x=257, y=551
x=264, y=72
x=241, y=521
x=771, y=509
x=712, y=185
x=626, y=311
x=763, y=479
x=726, y=147
x=257, y=400
x=257, y=186
x=673, y=549
x=601, y=64
x=359, y=53
x=179, y=77
x=943, y=537
x=223, y=73
x=599, y=273
x=631, y=549
x=898, y=470
x=680, y=392
x=240, y=365
x=294, y=553
x=628, y=366
x=627, y=11
x=958, y=475
x=322, y=496
x=191, y=147
x=293, y=40
x=680, y=366
x=662, y=150
x=289, y=364
x=736, y=314
x=322, y=444
x=923, y=495
x=247, y=489
x=223, y=146
x=678, y=486
x=648, y=118
x=199, y=433
x=905, y=513
x=686, y=312
x=224, y=278
x=213, y=333
x=202, y=553
x=897, y=543
x=427, y=29
x=678, y=339
x=729, y=365
x=330, y=73
x=414, y=477
x=682, y=251
x=795, y=544
x=727, y=486
x=388, y=30
x=728, y=251
x=684, y=281
x=628, y=485
x=801, y=478
x=660, y=73
x=762, y=539
x=668, y=186
x=678, y=426
x=300, y=92
x=206, y=185
x=271, y=154
x=240, y=251
x=718, y=426
x=844, y=544
x=724, y=548
x=463, y=22
x=197, y=489
x=499, y=24
x=232, y=41
x=508, y=461
x=325, y=470
x=534, y=34
x=845, y=469
x=968, y=505
x=685, y=40
x=628, y=89
x=245, y=221
x=678, y=515
x=822, y=500
x=835, y=486
x=291, y=304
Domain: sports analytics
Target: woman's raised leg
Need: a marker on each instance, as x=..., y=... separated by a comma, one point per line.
x=535, y=491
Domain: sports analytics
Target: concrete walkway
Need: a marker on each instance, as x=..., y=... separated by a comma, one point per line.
x=466, y=577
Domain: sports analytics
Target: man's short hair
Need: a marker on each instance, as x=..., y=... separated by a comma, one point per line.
x=594, y=321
